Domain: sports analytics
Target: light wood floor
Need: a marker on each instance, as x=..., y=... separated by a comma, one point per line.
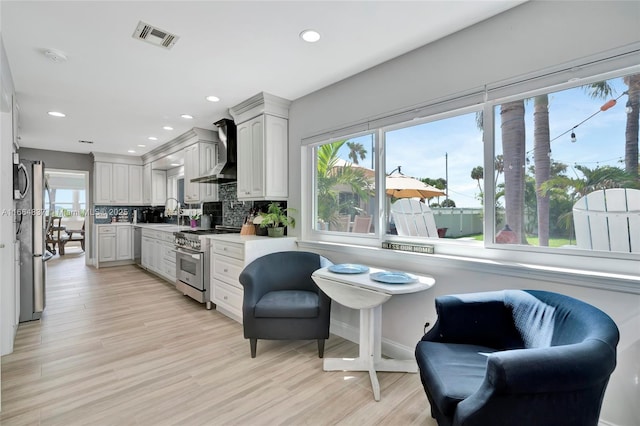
x=118, y=346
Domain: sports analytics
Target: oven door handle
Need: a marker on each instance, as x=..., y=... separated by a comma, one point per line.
x=193, y=255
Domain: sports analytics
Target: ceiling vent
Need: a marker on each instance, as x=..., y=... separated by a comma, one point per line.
x=155, y=35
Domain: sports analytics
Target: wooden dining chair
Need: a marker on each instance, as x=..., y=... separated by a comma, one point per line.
x=55, y=235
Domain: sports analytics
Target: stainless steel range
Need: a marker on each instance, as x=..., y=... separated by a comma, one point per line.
x=192, y=262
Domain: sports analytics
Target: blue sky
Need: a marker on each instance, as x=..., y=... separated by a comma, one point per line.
x=420, y=150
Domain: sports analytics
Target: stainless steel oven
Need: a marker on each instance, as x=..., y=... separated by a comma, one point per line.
x=192, y=267
x=192, y=262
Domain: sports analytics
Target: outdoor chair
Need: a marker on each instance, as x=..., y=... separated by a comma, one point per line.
x=414, y=218
x=361, y=224
x=608, y=220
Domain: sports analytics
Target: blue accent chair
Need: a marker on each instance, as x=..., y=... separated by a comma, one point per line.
x=282, y=302
x=517, y=357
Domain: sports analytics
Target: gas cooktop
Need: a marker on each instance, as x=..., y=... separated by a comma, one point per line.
x=219, y=229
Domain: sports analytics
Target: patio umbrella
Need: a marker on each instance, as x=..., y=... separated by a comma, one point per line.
x=401, y=186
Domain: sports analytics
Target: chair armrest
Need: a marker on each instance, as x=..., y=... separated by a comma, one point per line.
x=551, y=379
x=551, y=369
x=480, y=319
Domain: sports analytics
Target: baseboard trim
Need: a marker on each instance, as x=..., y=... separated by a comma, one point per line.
x=390, y=348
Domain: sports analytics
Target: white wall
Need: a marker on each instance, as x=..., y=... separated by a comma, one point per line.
x=531, y=37
x=7, y=234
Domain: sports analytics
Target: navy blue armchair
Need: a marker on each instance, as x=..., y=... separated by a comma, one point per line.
x=517, y=357
x=281, y=300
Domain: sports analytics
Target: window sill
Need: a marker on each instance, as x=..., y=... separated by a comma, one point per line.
x=618, y=277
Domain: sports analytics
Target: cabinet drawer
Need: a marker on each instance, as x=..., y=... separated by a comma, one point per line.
x=229, y=249
x=106, y=229
x=228, y=297
x=148, y=233
x=168, y=237
x=168, y=252
x=227, y=269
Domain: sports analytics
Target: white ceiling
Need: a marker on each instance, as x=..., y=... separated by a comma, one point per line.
x=117, y=91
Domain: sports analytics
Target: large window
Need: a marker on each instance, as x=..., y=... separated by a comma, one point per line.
x=345, y=185
x=559, y=167
x=567, y=167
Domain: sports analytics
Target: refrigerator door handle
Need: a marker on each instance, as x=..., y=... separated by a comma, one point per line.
x=19, y=195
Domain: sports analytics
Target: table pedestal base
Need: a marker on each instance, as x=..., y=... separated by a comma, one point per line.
x=370, y=358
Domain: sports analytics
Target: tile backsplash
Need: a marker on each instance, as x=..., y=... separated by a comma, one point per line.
x=228, y=211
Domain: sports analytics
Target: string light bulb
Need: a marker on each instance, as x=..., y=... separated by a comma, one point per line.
x=573, y=137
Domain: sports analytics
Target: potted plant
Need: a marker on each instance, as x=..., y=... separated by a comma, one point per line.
x=194, y=219
x=276, y=219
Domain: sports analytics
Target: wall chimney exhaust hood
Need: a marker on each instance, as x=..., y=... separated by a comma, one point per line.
x=225, y=170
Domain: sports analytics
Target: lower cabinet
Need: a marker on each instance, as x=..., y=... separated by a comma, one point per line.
x=230, y=253
x=115, y=244
x=158, y=253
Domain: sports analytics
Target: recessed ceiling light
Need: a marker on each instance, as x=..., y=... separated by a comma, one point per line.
x=56, y=114
x=141, y=145
x=310, y=36
x=212, y=98
x=152, y=138
x=131, y=151
x=168, y=128
x=187, y=116
x=176, y=164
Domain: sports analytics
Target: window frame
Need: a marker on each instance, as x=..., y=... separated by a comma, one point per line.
x=553, y=258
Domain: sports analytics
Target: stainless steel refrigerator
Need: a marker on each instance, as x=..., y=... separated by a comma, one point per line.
x=30, y=191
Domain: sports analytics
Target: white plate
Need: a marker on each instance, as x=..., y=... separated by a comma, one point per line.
x=391, y=277
x=348, y=268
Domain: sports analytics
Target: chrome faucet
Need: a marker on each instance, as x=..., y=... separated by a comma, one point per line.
x=178, y=207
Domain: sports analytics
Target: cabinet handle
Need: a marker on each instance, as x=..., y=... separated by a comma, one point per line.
x=226, y=270
x=225, y=297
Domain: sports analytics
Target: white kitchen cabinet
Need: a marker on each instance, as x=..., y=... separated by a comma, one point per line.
x=158, y=253
x=262, y=132
x=124, y=242
x=146, y=184
x=117, y=184
x=135, y=185
x=199, y=159
x=263, y=159
x=154, y=186
x=106, y=244
x=103, y=174
x=158, y=187
x=230, y=253
x=120, y=186
x=115, y=244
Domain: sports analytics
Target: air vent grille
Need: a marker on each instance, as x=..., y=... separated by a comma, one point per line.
x=155, y=35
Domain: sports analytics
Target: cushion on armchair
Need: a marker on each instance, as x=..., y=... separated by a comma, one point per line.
x=521, y=357
x=287, y=304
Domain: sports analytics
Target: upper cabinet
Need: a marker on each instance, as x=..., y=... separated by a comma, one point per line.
x=199, y=159
x=262, y=123
x=117, y=183
x=154, y=186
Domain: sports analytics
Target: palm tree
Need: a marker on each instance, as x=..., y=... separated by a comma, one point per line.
x=356, y=150
x=604, y=177
x=631, y=134
x=513, y=148
x=477, y=173
x=542, y=161
x=330, y=177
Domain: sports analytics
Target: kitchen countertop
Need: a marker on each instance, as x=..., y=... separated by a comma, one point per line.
x=237, y=238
